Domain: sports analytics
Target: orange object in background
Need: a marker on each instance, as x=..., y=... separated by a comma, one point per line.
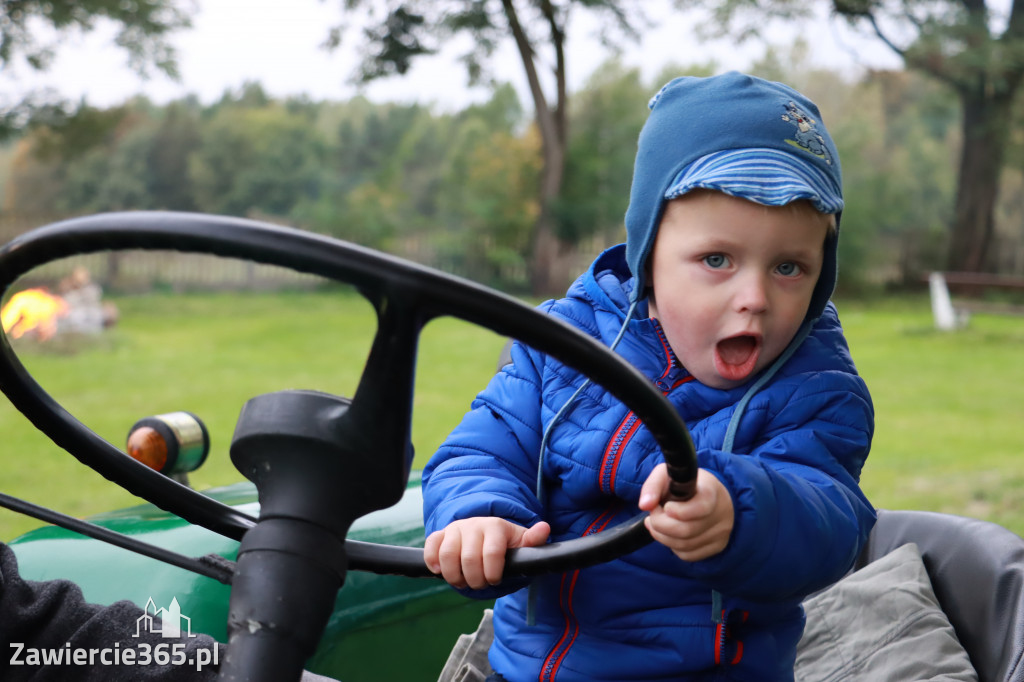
x=33, y=310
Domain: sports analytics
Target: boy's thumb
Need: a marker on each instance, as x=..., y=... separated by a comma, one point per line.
x=537, y=534
x=654, y=488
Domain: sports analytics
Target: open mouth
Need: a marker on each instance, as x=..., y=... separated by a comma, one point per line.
x=736, y=356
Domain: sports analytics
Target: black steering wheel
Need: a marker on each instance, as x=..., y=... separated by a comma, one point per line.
x=376, y=421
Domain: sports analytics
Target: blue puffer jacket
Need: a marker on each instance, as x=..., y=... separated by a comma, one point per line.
x=800, y=516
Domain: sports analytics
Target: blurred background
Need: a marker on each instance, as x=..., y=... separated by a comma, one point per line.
x=494, y=140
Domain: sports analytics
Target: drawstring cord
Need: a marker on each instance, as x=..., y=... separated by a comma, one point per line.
x=717, y=612
x=531, y=597
x=565, y=406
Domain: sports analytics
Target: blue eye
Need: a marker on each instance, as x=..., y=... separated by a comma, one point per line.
x=716, y=261
x=788, y=269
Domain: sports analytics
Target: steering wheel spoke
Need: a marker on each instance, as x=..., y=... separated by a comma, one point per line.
x=383, y=400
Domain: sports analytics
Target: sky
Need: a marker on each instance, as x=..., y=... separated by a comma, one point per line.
x=234, y=41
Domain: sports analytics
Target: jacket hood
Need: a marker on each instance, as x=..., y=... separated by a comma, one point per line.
x=694, y=120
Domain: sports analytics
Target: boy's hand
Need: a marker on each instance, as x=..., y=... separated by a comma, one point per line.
x=696, y=529
x=471, y=552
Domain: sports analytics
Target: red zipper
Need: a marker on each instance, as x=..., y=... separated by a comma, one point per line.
x=566, y=592
x=629, y=425
x=623, y=434
x=723, y=633
x=606, y=481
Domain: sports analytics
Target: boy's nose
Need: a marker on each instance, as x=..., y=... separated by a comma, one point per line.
x=752, y=294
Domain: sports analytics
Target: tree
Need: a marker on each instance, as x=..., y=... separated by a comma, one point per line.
x=976, y=52
x=488, y=194
x=607, y=115
x=409, y=29
x=897, y=137
x=380, y=175
x=143, y=28
x=255, y=158
x=959, y=44
x=175, y=140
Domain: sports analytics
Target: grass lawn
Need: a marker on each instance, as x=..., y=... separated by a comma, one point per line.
x=948, y=405
x=208, y=354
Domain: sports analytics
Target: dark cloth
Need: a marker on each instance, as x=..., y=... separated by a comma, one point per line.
x=52, y=619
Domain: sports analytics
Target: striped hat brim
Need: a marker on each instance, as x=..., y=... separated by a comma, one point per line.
x=765, y=176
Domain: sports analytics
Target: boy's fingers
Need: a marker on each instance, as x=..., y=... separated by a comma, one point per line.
x=695, y=509
x=473, y=569
x=471, y=553
x=449, y=556
x=690, y=548
x=654, y=488
x=430, y=550
x=494, y=546
x=709, y=495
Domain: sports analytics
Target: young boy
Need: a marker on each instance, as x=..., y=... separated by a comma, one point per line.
x=721, y=296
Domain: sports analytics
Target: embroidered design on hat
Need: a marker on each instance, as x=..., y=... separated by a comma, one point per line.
x=807, y=136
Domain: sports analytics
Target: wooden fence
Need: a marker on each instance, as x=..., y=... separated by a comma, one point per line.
x=141, y=271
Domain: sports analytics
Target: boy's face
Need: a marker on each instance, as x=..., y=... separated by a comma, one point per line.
x=732, y=281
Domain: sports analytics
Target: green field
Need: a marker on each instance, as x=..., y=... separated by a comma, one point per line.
x=208, y=354
x=949, y=411
x=949, y=405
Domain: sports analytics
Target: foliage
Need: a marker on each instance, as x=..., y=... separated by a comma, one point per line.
x=399, y=31
x=404, y=30
x=607, y=116
x=979, y=55
x=142, y=30
x=380, y=175
x=457, y=190
x=255, y=159
x=899, y=175
x=496, y=210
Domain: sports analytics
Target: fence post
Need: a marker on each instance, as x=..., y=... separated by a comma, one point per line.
x=942, y=305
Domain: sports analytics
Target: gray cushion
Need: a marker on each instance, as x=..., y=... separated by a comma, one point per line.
x=977, y=572
x=881, y=623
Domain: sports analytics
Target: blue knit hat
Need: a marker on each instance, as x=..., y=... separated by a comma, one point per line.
x=737, y=134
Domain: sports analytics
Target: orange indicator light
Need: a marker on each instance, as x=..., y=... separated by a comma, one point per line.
x=173, y=443
x=149, y=447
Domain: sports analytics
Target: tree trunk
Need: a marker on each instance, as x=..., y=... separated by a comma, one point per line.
x=985, y=132
x=547, y=250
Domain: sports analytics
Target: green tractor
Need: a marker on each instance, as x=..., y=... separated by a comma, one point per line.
x=316, y=562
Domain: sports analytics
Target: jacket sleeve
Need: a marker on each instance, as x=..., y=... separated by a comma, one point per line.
x=488, y=465
x=800, y=516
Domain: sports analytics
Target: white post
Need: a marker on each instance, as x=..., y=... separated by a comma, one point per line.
x=942, y=306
